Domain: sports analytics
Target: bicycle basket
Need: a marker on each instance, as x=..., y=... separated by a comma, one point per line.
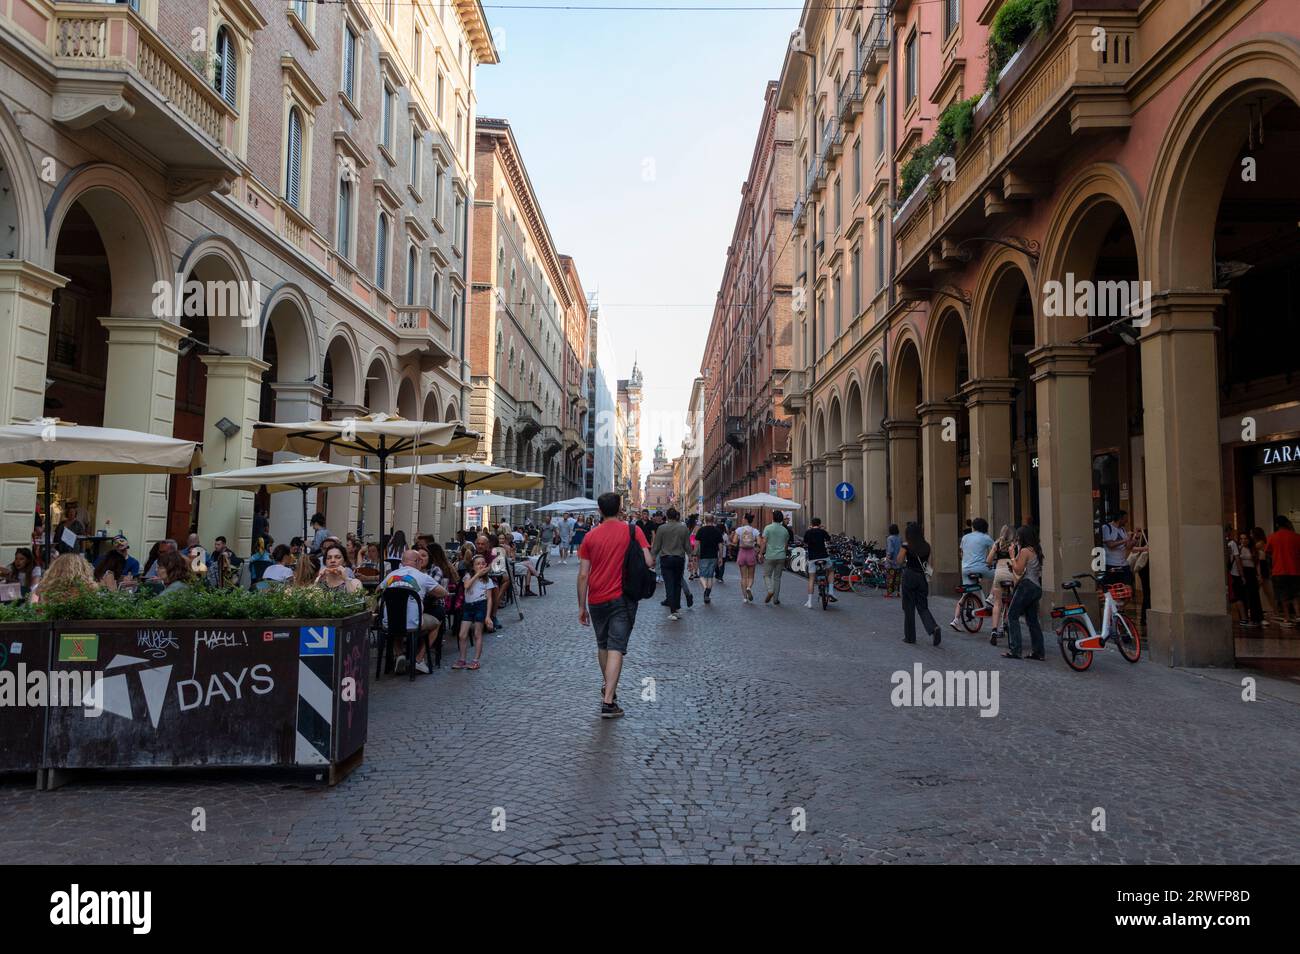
x=1120, y=592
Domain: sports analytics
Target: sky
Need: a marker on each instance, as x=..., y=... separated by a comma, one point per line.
x=637, y=129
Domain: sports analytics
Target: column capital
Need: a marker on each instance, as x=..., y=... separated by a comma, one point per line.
x=833, y=457
x=1183, y=311
x=989, y=391
x=817, y=466
x=153, y=331
x=234, y=366
x=300, y=389
x=848, y=448
x=29, y=280
x=340, y=411
x=873, y=442
x=901, y=429
x=1061, y=360
x=933, y=412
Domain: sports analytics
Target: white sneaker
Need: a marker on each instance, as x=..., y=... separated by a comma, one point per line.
x=809, y=603
x=422, y=666
x=674, y=617
x=399, y=667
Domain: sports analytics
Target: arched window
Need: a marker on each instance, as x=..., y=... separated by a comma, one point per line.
x=381, y=252
x=344, y=239
x=293, y=159
x=225, y=74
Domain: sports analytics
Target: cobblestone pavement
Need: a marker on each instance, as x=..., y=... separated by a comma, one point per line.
x=759, y=712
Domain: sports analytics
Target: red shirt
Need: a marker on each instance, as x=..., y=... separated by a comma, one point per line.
x=606, y=547
x=1283, y=550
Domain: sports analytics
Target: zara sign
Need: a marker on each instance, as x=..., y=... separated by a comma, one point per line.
x=1279, y=455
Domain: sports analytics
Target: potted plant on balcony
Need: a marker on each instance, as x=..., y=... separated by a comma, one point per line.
x=1013, y=25
x=955, y=126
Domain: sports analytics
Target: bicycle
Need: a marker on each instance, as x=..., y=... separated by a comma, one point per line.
x=1079, y=639
x=821, y=578
x=972, y=607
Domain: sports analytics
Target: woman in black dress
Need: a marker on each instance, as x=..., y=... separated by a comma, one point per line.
x=913, y=558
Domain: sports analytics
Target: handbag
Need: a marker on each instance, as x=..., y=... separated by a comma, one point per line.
x=1138, y=561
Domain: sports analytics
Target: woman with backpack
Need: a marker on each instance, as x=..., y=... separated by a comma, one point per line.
x=914, y=558
x=746, y=540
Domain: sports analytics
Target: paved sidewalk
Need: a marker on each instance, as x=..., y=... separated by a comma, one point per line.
x=761, y=716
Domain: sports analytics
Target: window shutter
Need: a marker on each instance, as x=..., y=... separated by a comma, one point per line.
x=381, y=251
x=294, y=164
x=345, y=218
x=350, y=63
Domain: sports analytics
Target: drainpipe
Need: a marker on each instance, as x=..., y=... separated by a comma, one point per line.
x=811, y=300
x=890, y=296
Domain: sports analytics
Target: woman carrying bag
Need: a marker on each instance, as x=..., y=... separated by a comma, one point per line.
x=1139, y=555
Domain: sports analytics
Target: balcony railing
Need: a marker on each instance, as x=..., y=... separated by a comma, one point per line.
x=1058, y=87
x=110, y=67
x=873, y=48
x=422, y=335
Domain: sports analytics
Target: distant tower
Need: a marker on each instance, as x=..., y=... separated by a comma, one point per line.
x=661, y=460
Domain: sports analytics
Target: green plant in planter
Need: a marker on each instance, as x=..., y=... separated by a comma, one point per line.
x=1014, y=23
x=955, y=126
x=194, y=602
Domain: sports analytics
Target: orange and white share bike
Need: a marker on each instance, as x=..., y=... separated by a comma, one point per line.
x=1077, y=636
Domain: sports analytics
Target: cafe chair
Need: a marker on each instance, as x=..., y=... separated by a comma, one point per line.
x=395, y=601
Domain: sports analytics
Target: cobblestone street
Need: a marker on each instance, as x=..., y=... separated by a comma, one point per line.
x=759, y=711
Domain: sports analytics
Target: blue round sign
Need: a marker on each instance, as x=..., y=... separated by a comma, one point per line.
x=844, y=491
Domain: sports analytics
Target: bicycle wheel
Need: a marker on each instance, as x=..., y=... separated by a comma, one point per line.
x=1071, y=631
x=826, y=595
x=969, y=604
x=1126, y=639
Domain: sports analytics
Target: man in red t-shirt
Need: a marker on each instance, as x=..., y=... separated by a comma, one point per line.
x=1283, y=549
x=600, y=594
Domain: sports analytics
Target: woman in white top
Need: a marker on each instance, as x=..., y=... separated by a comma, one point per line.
x=745, y=540
x=281, y=568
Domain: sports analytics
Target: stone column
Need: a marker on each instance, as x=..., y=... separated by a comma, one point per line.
x=903, y=476
x=797, y=486
x=851, y=454
x=139, y=395
x=294, y=401
x=817, y=481
x=1060, y=374
x=1188, y=621
x=990, y=404
x=26, y=292
x=234, y=391
x=832, y=511
x=939, y=487
x=875, y=487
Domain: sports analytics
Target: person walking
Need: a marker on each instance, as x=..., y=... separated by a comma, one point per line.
x=745, y=540
x=914, y=558
x=602, y=603
x=1246, y=560
x=1001, y=555
x=567, y=525
x=776, y=540
x=723, y=550
x=671, y=545
x=1259, y=541
x=1115, y=540
x=1028, y=568
x=893, y=573
x=708, y=540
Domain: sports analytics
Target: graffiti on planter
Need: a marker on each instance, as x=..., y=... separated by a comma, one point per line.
x=218, y=639
x=155, y=643
x=224, y=687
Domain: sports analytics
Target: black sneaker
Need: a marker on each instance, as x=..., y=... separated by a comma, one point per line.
x=663, y=602
x=610, y=710
x=690, y=601
x=707, y=601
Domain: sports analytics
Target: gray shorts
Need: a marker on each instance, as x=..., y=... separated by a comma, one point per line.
x=613, y=623
x=708, y=566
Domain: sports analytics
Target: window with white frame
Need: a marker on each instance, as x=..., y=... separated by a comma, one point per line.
x=381, y=252
x=351, y=45
x=293, y=164
x=225, y=74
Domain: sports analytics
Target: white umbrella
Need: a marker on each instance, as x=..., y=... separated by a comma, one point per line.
x=46, y=445
x=377, y=435
x=472, y=474
x=491, y=500
x=302, y=474
x=572, y=505
x=764, y=500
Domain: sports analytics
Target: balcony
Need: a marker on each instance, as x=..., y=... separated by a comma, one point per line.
x=792, y=392
x=1053, y=94
x=528, y=420
x=800, y=211
x=573, y=443
x=422, y=336
x=112, y=71
x=873, y=48
x=552, y=440
x=851, y=94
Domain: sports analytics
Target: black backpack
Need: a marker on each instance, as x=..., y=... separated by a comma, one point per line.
x=638, y=579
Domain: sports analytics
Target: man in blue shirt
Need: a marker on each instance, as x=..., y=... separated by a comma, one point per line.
x=122, y=546
x=975, y=547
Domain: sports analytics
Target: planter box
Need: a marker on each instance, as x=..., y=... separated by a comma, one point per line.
x=213, y=693
x=22, y=727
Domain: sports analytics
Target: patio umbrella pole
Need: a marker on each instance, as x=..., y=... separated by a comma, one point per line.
x=303, y=488
x=48, y=468
x=382, y=454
